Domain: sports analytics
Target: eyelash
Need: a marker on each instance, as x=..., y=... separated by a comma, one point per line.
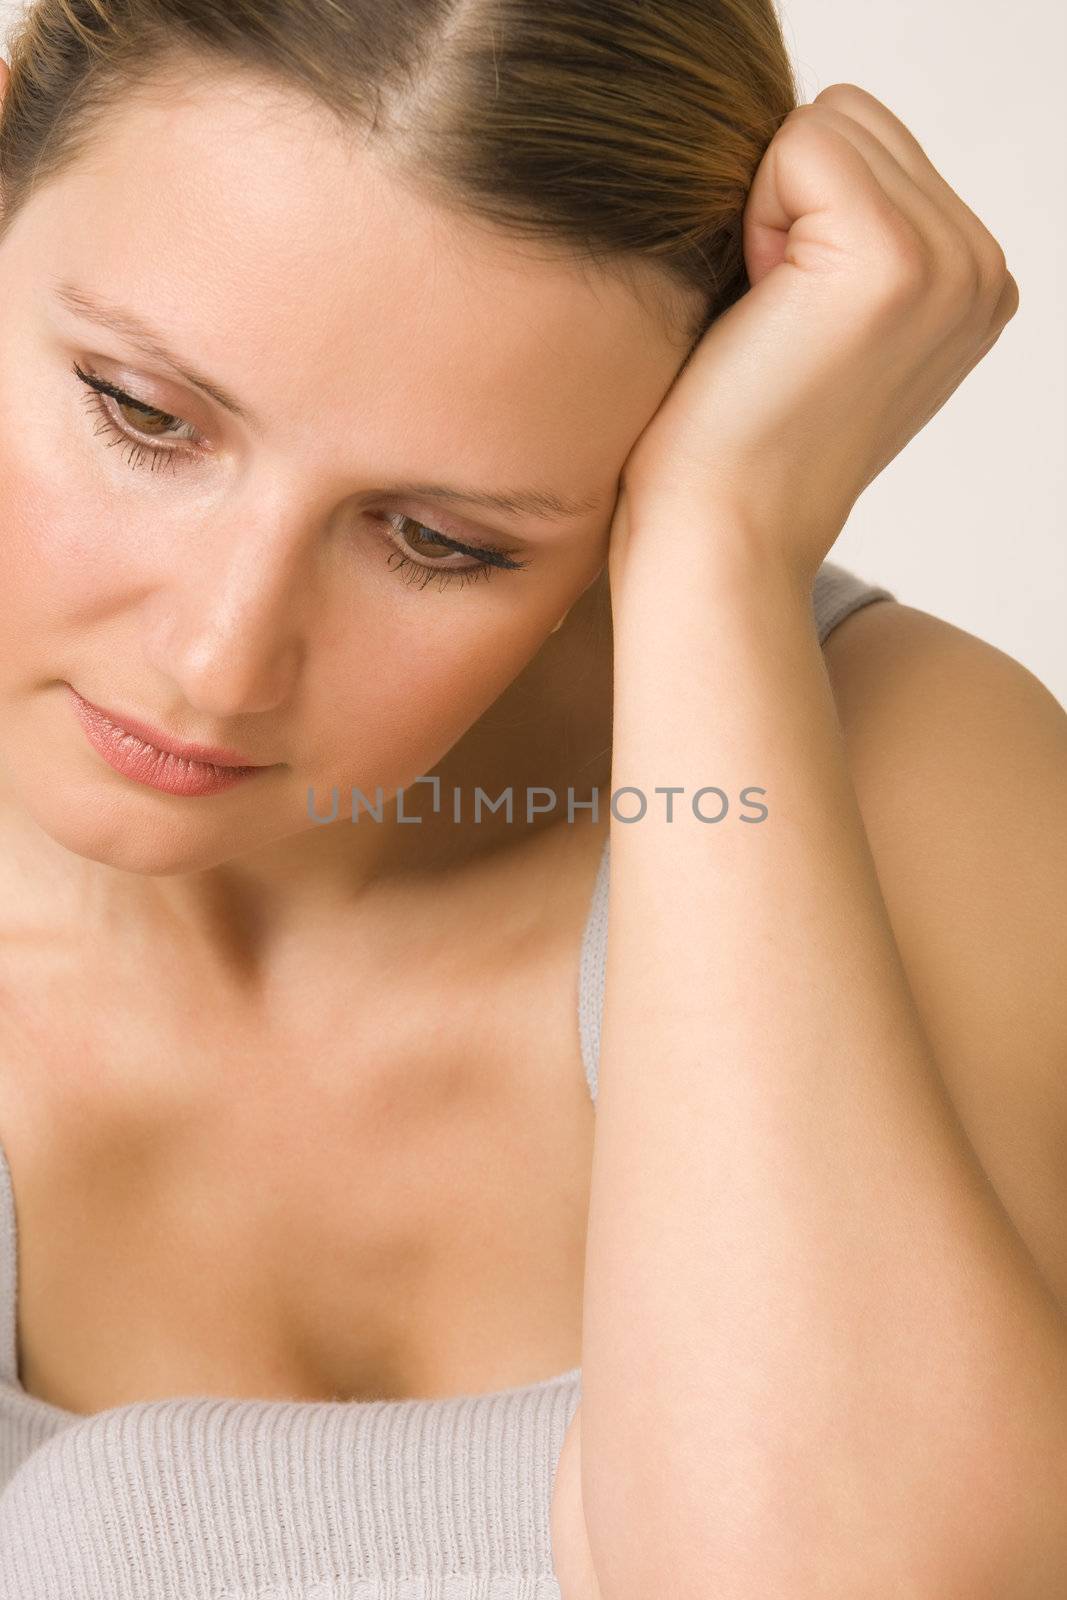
x=487, y=557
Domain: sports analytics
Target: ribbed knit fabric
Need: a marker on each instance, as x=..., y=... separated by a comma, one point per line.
x=202, y=1498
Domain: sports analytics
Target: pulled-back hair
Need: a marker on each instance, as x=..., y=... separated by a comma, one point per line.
x=622, y=132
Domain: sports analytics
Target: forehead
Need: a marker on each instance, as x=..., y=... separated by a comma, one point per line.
x=312, y=280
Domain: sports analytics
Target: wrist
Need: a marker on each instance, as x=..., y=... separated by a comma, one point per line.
x=715, y=552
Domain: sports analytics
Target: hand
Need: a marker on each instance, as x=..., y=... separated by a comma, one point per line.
x=874, y=291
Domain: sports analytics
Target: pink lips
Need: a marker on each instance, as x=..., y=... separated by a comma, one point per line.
x=153, y=758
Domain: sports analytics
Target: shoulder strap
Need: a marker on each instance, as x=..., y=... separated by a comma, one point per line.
x=8, y=1264
x=591, y=971
x=836, y=593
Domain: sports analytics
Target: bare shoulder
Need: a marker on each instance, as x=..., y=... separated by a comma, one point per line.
x=888, y=636
x=949, y=724
x=958, y=757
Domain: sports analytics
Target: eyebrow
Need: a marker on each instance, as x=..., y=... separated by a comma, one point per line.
x=129, y=326
x=541, y=503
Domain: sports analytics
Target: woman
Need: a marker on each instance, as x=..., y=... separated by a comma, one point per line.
x=311, y=1245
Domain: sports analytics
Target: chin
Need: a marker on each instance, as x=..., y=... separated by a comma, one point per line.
x=121, y=826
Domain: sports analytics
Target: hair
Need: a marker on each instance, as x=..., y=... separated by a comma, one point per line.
x=623, y=133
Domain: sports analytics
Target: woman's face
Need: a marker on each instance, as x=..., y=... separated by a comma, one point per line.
x=246, y=562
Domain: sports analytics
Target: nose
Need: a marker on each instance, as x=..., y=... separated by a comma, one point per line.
x=232, y=628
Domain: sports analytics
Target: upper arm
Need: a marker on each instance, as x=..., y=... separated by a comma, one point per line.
x=958, y=756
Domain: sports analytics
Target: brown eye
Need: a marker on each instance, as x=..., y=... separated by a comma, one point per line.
x=145, y=423
x=423, y=540
x=421, y=562
x=149, y=420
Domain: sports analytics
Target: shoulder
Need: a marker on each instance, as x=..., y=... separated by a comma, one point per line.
x=920, y=700
x=958, y=757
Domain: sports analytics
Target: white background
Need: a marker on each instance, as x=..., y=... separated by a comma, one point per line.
x=968, y=522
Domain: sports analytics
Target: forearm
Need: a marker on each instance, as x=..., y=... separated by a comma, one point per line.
x=813, y=1341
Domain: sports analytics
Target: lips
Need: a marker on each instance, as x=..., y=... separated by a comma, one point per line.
x=155, y=760
x=114, y=724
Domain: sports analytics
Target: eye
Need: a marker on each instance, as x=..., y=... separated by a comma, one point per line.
x=152, y=424
x=422, y=571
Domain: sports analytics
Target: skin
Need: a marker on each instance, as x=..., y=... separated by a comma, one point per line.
x=269, y=667
x=183, y=961
x=246, y=598
x=801, y=1192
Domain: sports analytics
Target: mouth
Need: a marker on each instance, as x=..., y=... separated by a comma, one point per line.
x=152, y=757
x=164, y=743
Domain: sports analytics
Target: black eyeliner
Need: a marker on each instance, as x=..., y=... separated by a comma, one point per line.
x=480, y=552
x=116, y=393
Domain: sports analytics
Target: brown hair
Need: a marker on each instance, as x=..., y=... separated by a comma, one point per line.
x=623, y=132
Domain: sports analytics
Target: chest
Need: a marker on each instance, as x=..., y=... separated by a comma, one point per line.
x=388, y=1202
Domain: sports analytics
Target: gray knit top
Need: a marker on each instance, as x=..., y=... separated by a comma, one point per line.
x=206, y=1498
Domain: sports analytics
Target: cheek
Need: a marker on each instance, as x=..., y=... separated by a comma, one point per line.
x=61, y=555
x=388, y=712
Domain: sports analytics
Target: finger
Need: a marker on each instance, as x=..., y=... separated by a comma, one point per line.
x=880, y=212
x=821, y=161
x=927, y=214
x=1006, y=310
x=910, y=155
x=864, y=108
x=971, y=278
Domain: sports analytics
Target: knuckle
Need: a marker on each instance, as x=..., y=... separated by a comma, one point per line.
x=1011, y=292
x=960, y=275
x=994, y=260
x=992, y=267
x=905, y=262
x=799, y=115
x=842, y=95
x=796, y=129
